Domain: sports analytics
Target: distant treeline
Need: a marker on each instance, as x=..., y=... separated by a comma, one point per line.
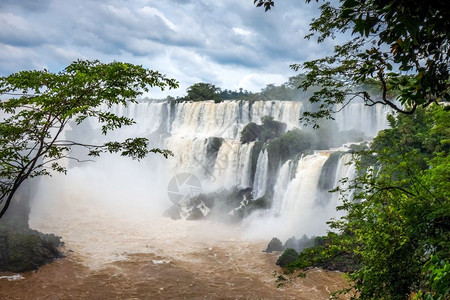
x=290, y=90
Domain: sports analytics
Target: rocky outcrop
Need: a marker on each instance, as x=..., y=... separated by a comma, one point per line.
x=26, y=249
x=21, y=248
x=274, y=245
x=228, y=205
x=299, y=244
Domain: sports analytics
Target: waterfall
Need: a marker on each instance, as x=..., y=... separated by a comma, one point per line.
x=299, y=205
x=284, y=111
x=227, y=164
x=345, y=169
x=295, y=212
x=260, y=182
x=299, y=198
x=244, y=167
x=358, y=116
x=205, y=139
x=284, y=176
x=190, y=156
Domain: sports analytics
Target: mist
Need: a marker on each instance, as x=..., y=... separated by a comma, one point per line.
x=263, y=195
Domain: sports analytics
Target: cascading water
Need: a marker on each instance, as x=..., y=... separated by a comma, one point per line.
x=284, y=176
x=112, y=213
x=301, y=190
x=358, y=116
x=260, y=182
x=205, y=139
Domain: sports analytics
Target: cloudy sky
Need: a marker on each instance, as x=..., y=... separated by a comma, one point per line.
x=229, y=43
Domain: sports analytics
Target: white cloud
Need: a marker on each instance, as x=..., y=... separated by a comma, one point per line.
x=240, y=31
x=253, y=82
x=231, y=44
x=150, y=11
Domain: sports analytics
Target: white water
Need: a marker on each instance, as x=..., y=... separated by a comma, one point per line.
x=345, y=169
x=228, y=118
x=360, y=117
x=297, y=213
x=284, y=176
x=260, y=182
x=138, y=191
x=233, y=165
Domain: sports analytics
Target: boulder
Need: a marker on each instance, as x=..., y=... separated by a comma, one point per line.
x=274, y=245
x=26, y=249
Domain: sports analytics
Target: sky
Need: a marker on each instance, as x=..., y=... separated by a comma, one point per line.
x=229, y=43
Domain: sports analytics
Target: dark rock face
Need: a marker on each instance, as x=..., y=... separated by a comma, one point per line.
x=21, y=248
x=250, y=133
x=309, y=247
x=289, y=255
x=346, y=263
x=274, y=245
x=299, y=244
x=291, y=243
x=212, y=149
x=26, y=249
x=227, y=205
x=329, y=171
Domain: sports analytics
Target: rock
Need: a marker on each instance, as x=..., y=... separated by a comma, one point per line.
x=289, y=255
x=26, y=249
x=299, y=244
x=274, y=245
x=291, y=243
x=21, y=248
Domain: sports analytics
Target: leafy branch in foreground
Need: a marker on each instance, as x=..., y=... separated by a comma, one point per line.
x=397, y=223
x=37, y=106
x=402, y=45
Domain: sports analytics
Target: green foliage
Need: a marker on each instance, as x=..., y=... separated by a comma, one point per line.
x=328, y=254
x=238, y=95
x=268, y=4
x=250, y=133
x=41, y=104
x=287, y=91
x=399, y=216
x=439, y=278
x=289, y=255
x=402, y=46
x=202, y=91
x=273, y=92
x=269, y=129
x=292, y=142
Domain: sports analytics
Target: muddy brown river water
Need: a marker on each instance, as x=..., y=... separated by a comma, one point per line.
x=214, y=275
x=192, y=268
x=122, y=253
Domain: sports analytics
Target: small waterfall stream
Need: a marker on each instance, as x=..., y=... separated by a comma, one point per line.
x=260, y=182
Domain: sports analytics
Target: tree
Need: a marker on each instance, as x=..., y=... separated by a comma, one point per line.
x=402, y=44
x=401, y=215
x=203, y=91
x=41, y=104
x=397, y=224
